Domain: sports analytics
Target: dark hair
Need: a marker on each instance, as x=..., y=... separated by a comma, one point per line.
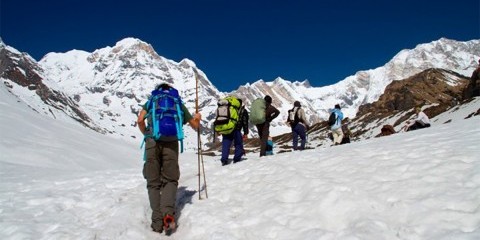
x=268, y=99
x=296, y=104
x=337, y=106
x=163, y=86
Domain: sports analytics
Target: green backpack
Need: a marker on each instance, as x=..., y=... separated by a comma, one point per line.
x=227, y=115
x=257, y=111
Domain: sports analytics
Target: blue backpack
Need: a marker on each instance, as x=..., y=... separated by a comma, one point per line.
x=165, y=115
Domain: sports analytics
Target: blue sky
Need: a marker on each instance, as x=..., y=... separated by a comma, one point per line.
x=235, y=42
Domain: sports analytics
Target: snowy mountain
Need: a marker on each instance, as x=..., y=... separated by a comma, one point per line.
x=109, y=84
x=64, y=181
x=366, y=86
x=23, y=77
x=113, y=82
x=105, y=89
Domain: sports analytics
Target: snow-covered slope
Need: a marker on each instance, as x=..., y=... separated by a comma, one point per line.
x=29, y=138
x=27, y=82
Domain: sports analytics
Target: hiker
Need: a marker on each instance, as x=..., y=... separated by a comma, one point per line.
x=161, y=169
x=346, y=134
x=236, y=137
x=335, y=122
x=264, y=128
x=473, y=89
x=421, y=121
x=298, y=123
x=269, y=150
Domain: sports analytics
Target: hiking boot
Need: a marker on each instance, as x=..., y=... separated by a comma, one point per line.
x=226, y=162
x=238, y=160
x=157, y=227
x=169, y=224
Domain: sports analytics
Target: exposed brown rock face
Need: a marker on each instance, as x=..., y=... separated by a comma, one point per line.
x=437, y=87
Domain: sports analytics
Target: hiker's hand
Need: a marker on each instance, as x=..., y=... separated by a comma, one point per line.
x=245, y=137
x=197, y=117
x=195, y=121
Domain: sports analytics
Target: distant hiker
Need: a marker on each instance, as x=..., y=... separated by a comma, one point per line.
x=473, y=88
x=421, y=121
x=298, y=122
x=236, y=137
x=335, y=122
x=387, y=130
x=165, y=114
x=346, y=134
x=269, y=150
x=261, y=114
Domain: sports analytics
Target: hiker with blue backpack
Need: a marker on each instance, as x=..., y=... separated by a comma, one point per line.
x=165, y=114
x=335, y=122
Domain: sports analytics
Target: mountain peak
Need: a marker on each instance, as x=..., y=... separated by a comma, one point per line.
x=188, y=62
x=129, y=42
x=135, y=44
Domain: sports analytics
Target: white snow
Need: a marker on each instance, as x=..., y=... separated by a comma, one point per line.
x=62, y=181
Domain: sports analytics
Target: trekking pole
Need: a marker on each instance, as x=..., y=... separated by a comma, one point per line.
x=199, y=146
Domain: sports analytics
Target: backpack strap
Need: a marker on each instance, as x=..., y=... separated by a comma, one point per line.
x=154, y=117
x=295, y=119
x=179, y=123
x=336, y=118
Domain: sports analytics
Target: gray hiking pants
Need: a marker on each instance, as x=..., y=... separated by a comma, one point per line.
x=162, y=172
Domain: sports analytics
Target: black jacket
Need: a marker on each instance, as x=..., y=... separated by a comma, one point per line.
x=271, y=112
x=242, y=120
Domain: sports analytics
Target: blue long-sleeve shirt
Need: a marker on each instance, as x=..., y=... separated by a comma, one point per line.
x=339, y=118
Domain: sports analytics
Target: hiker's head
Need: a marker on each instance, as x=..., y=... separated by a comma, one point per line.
x=270, y=138
x=337, y=106
x=296, y=104
x=163, y=86
x=418, y=109
x=268, y=99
